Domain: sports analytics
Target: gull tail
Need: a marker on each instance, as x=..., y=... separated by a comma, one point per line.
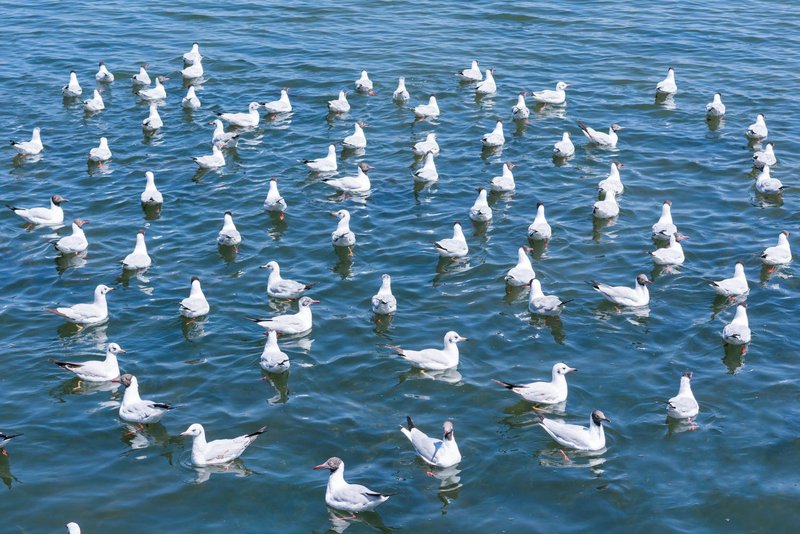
x=565, y=302
x=162, y=405
x=398, y=350
x=376, y=494
x=309, y=286
x=507, y=385
x=9, y=436
x=257, y=433
x=409, y=422
x=256, y=320
x=594, y=283
x=12, y=208
x=65, y=365
x=13, y=143
x=51, y=310
x=583, y=126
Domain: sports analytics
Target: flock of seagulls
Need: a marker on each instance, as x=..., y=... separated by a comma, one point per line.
x=437, y=452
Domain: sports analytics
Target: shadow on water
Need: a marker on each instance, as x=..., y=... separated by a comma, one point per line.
x=140, y=438
x=344, y=265
x=341, y=521
x=554, y=323
x=64, y=262
x=279, y=382
x=382, y=322
x=5, y=471
x=733, y=357
x=152, y=212
x=193, y=329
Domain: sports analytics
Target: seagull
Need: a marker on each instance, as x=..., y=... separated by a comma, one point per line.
x=142, y=78
x=564, y=148
x=672, y=254
x=290, y=324
x=157, y=92
x=522, y=273
x=455, y=247
x=715, y=108
x=488, y=85
x=193, y=71
x=138, y=259
x=87, y=314
x=767, y=185
x=95, y=103
x=219, y=451
x=599, y=138
x=352, y=184
x=442, y=453
x=73, y=88
x=504, y=183
x=273, y=359
x=737, y=332
x=364, y=84
x=135, y=410
x=214, y=161
x=190, y=101
x=4, y=439
x=383, y=302
x=637, y=296
x=348, y=497
x=667, y=86
x=434, y=359
x=357, y=139
x=428, y=172
x=243, y=120
x=758, y=130
x=494, y=138
x=151, y=195
x=103, y=75
x=549, y=96
x=282, y=288
x=431, y=109
x=429, y=145
x=472, y=74
x=664, y=228
x=274, y=200
x=401, y=94
x=612, y=184
x=153, y=121
x=342, y=236
x=541, y=304
x=96, y=370
x=340, y=105
x=539, y=230
x=100, y=153
x=765, y=157
x=193, y=55
x=282, y=105
x=606, y=208
x=683, y=405
x=520, y=111
x=733, y=287
x=229, y=236
x=552, y=392
x=73, y=528
x=480, y=210
x=52, y=216
x=32, y=147
x=195, y=305
x=576, y=436
x=76, y=242
x=326, y=164
x=780, y=254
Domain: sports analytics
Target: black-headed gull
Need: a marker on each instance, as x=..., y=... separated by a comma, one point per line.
x=522, y=273
x=274, y=201
x=552, y=392
x=488, y=86
x=520, y=110
x=153, y=121
x=213, y=161
x=434, y=359
x=442, y=453
x=357, y=139
x=765, y=157
x=683, y=405
x=195, y=305
x=636, y=296
x=766, y=184
x=193, y=55
x=541, y=304
x=495, y=138
x=141, y=77
x=222, y=139
x=139, y=258
x=401, y=93
x=758, y=130
x=326, y=164
x=671, y=254
x=229, y=236
x=664, y=228
x=100, y=153
x=550, y=96
x=612, y=184
x=735, y=286
x=454, y=247
x=282, y=288
x=737, y=332
x=190, y=101
x=348, y=497
x=428, y=172
x=539, y=229
x=219, y=451
x=96, y=370
x=157, y=92
x=472, y=74
x=273, y=359
x=578, y=437
x=87, y=314
x=342, y=236
x=504, y=183
x=429, y=145
x=4, y=439
x=480, y=210
x=243, y=120
x=293, y=323
x=135, y=410
x=76, y=242
x=384, y=302
x=32, y=147
x=52, y=216
x=95, y=103
x=193, y=71
x=103, y=75
x=780, y=254
x=151, y=194
x=431, y=109
x=352, y=184
x=599, y=138
x=340, y=104
x=715, y=109
x=73, y=88
x=564, y=148
x=608, y=208
x=73, y=528
x=667, y=86
x=282, y=105
x=363, y=83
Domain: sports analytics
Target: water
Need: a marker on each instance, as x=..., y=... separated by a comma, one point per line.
x=346, y=394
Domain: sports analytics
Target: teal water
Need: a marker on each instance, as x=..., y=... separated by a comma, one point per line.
x=346, y=394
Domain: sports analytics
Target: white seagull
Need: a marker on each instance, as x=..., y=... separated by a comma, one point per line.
x=229, y=236
x=103, y=75
x=434, y=359
x=96, y=370
x=219, y=451
x=153, y=121
x=283, y=288
x=341, y=495
x=135, y=410
x=758, y=130
x=193, y=55
x=768, y=185
x=95, y=103
x=683, y=405
x=357, y=139
x=735, y=286
x=737, y=332
x=52, y=216
x=599, y=138
x=190, y=101
x=428, y=172
x=664, y=228
x=504, y=183
x=352, y=184
x=193, y=71
x=428, y=145
x=157, y=92
x=552, y=392
x=564, y=148
x=480, y=210
x=765, y=157
x=383, y=302
x=780, y=254
x=431, y=109
x=442, y=453
x=488, y=85
x=343, y=236
x=293, y=323
x=520, y=111
x=522, y=273
x=273, y=359
x=326, y=164
x=340, y=105
x=100, y=153
x=612, y=184
x=667, y=86
x=472, y=74
x=195, y=305
x=222, y=139
x=494, y=138
x=401, y=93
x=455, y=247
x=32, y=147
x=672, y=254
x=550, y=96
x=73, y=88
x=539, y=229
x=87, y=314
x=141, y=78
x=214, y=161
x=243, y=120
x=138, y=259
x=715, y=108
x=637, y=296
x=363, y=83
x=73, y=528
x=274, y=201
x=151, y=194
x=606, y=208
x=76, y=242
x=541, y=304
x=575, y=436
x=282, y=105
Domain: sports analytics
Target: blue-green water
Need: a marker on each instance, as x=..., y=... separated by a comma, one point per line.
x=346, y=395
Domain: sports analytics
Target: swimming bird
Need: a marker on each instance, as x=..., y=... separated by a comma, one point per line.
x=442, y=453
x=151, y=195
x=76, y=242
x=139, y=258
x=343, y=236
x=612, y=184
x=715, y=108
x=768, y=185
x=552, y=392
x=96, y=370
x=87, y=314
x=564, y=148
x=229, y=236
x=52, y=216
x=735, y=286
x=383, y=302
x=292, y=323
x=219, y=451
x=494, y=138
x=193, y=71
x=637, y=296
x=283, y=288
x=683, y=405
x=401, y=93
x=780, y=254
x=214, y=161
x=326, y=164
x=428, y=172
x=480, y=210
x=428, y=145
x=357, y=139
x=135, y=410
x=363, y=83
x=504, y=183
x=341, y=495
x=672, y=254
x=73, y=88
x=664, y=228
x=4, y=439
x=32, y=147
x=606, y=208
x=274, y=201
x=103, y=75
x=352, y=184
x=578, y=437
x=737, y=332
x=488, y=85
x=541, y=304
x=193, y=55
x=522, y=273
x=340, y=105
x=273, y=359
x=539, y=229
x=73, y=528
x=454, y=247
x=550, y=96
x=520, y=111
x=599, y=138
x=472, y=74
x=157, y=92
x=195, y=305
x=758, y=130
x=765, y=157
x=153, y=121
x=100, y=153
x=221, y=138
x=190, y=101
x=282, y=105
x=141, y=78
x=431, y=109
x=95, y=103
x=667, y=86
x=243, y=120
x=434, y=359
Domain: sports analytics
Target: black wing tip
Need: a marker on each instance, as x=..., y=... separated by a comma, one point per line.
x=565, y=302
x=12, y=208
x=257, y=432
x=507, y=385
x=582, y=125
x=594, y=283
x=255, y=320
x=409, y=422
x=163, y=405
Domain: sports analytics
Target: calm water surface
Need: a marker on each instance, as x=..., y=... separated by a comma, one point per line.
x=346, y=394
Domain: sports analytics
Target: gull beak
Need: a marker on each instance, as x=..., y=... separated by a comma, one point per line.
x=112, y=289
x=314, y=301
x=116, y=380
x=463, y=339
x=262, y=266
x=370, y=167
x=121, y=349
x=606, y=419
x=184, y=433
x=333, y=214
x=571, y=370
x=320, y=466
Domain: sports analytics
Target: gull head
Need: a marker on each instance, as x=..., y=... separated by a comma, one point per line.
x=386, y=278
x=125, y=379
x=305, y=302
x=563, y=368
x=341, y=214
x=80, y=222
x=272, y=265
x=447, y=428
x=510, y=165
x=162, y=79
x=643, y=280
x=598, y=417
x=618, y=164
x=668, y=202
x=362, y=124
x=687, y=374
x=113, y=348
x=253, y=106
x=331, y=464
x=617, y=127
x=560, y=86
x=194, y=430
x=58, y=200
x=365, y=168
x=453, y=337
